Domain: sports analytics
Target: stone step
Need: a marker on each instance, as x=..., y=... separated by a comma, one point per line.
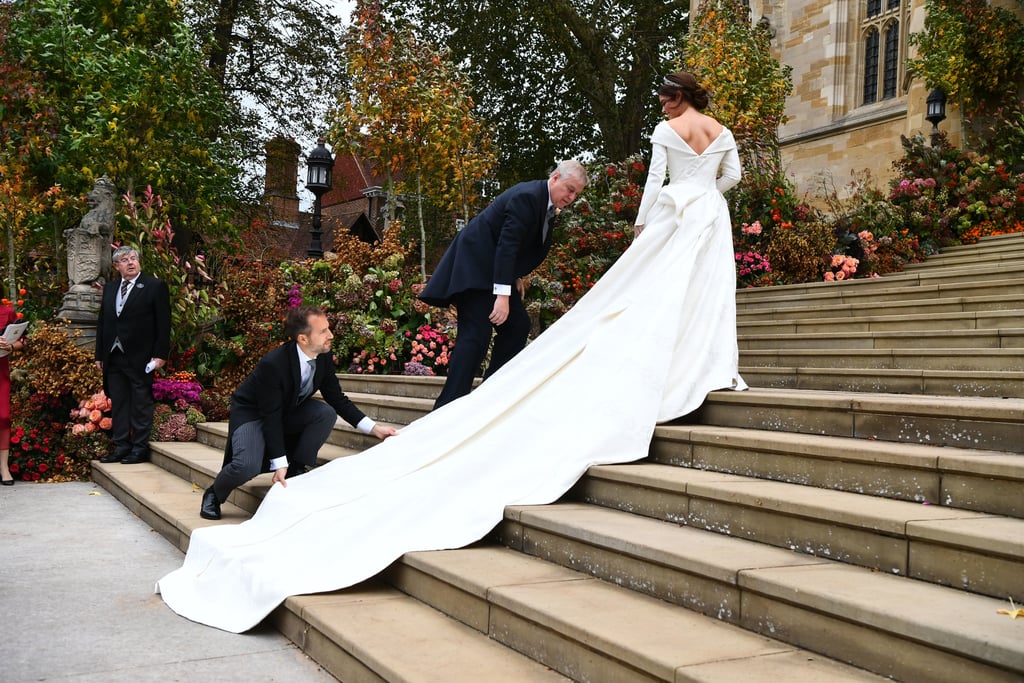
x=998, y=244
x=371, y=632
x=937, y=323
x=951, y=421
x=927, y=307
x=869, y=293
x=965, y=478
x=985, y=243
x=1001, y=256
x=992, y=338
x=972, y=422
x=978, y=552
x=592, y=630
x=368, y=633
x=953, y=359
x=892, y=625
x=997, y=383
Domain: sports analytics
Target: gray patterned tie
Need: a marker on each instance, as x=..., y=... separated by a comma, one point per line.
x=306, y=388
x=124, y=288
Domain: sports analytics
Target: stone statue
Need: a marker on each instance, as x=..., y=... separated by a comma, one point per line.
x=88, y=248
x=89, y=242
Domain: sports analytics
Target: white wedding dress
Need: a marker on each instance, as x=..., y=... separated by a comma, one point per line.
x=645, y=345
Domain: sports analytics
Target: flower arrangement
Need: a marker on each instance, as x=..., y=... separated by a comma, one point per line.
x=751, y=267
x=87, y=435
x=178, y=408
x=846, y=265
x=181, y=385
x=37, y=453
x=431, y=349
x=91, y=415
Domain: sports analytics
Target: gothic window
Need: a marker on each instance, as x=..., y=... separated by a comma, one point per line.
x=892, y=57
x=871, y=67
x=882, y=60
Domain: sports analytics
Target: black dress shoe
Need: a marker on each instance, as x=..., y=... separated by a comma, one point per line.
x=112, y=457
x=7, y=482
x=135, y=458
x=211, y=506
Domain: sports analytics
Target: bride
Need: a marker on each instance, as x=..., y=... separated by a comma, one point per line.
x=645, y=345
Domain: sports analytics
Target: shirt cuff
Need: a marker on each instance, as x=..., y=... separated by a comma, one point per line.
x=366, y=425
x=278, y=463
x=502, y=290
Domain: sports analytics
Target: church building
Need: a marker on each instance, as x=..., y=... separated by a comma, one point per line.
x=853, y=95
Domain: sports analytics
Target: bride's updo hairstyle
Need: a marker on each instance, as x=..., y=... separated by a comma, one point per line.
x=683, y=85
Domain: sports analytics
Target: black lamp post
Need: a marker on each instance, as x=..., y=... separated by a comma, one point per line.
x=319, y=164
x=936, y=111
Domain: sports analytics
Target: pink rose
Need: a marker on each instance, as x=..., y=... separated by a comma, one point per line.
x=830, y=276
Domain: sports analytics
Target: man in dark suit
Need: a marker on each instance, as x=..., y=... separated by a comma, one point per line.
x=482, y=271
x=275, y=424
x=133, y=338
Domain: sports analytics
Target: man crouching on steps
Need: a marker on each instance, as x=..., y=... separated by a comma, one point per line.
x=275, y=425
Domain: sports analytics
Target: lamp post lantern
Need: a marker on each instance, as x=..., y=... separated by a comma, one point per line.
x=936, y=113
x=319, y=164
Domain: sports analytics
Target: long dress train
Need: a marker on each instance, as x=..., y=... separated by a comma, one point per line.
x=645, y=345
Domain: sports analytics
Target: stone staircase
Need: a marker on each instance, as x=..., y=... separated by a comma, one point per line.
x=857, y=515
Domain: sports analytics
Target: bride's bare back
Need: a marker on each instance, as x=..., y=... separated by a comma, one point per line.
x=696, y=129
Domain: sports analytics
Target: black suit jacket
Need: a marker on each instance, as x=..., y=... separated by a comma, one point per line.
x=271, y=392
x=504, y=242
x=144, y=326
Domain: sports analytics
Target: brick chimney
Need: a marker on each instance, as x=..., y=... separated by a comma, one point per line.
x=281, y=179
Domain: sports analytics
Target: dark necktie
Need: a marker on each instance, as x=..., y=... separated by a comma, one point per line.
x=307, y=384
x=124, y=288
x=548, y=220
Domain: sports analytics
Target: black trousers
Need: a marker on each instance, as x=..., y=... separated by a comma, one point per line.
x=474, y=337
x=130, y=389
x=306, y=429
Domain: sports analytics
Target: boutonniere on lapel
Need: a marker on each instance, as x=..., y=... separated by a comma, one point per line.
x=140, y=285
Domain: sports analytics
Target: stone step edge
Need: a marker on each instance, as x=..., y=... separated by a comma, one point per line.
x=532, y=589
x=976, y=333
x=969, y=304
x=833, y=293
x=307, y=609
x=893, y=519
x=923, y=457
x=927, y=613
x=909, y=319
x=375, y=632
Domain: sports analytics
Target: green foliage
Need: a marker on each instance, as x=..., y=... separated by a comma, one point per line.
x=973, y=51
x=132, y=99
x=558, y=78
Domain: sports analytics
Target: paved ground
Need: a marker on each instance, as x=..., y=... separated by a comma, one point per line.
x=76, y=601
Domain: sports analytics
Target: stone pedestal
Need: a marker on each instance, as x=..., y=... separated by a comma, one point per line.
x=81, y=306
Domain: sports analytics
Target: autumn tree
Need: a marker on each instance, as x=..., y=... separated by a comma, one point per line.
x=558, y=78
x=733, y=60
x=133, y=100
x=408, y=112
